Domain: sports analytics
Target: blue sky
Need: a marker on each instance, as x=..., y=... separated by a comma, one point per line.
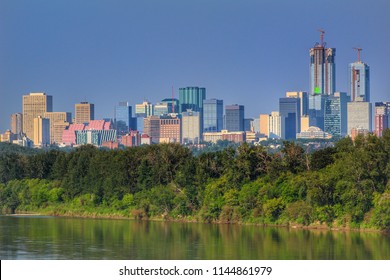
x=247, y=52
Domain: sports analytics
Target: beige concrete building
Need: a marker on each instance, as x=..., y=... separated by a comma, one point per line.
x=276, y=125
x=34, y=105
x=305, y=123
x=84, y=112
x=359, y=116
x=7, y=136
x=57, y=119
x=264, y=124
x=41, y=132
x=191, y=127
x=57, y=130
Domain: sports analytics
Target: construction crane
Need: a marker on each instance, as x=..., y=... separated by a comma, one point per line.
x=358, y=51
x=322, y=31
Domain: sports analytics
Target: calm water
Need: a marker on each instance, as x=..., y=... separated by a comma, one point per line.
x=36, y=237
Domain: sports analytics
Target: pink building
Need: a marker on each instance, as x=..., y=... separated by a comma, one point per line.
x=98, y=125
x=69, y=134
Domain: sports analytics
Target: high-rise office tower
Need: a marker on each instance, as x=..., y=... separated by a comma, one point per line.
x=359, y=80
x=34, y=105
x=276, y=126
x=55, y=119
x=191, y=98
x=145, y=109
x=17, y=123
x=170, y=129
x=264, y=124
x=212, y=115
x=289, y=109
x=123, y=118
x=316, y=110
x=234, y=118
x=322, y=80
x=173, y=104
x=359, y=116
x=41, y=131
x=84, y=112
x=382, y=117
x=248, y=124
x=152, y=128
x=161, y=108
x=191, y=127
x=322, y=68
x=335, y=119
x=304, y=99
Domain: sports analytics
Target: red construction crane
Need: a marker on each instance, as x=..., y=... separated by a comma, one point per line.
x=358, y=51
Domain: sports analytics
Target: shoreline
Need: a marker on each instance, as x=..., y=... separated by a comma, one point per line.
x=293, y=226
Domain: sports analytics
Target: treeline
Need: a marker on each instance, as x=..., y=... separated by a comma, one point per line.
x=345, y=186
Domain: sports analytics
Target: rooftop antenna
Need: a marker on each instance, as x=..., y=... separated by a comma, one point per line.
x=173, y=102
x=322, y=32
x=358, y=51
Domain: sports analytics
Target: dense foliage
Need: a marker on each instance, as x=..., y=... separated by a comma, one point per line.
x=345, y=186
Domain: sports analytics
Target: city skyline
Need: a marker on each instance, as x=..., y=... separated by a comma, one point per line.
x=243, y=53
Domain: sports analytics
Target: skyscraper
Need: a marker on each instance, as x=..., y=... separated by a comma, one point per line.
x=41, y=131
x=17, y=123
x=303, y=100
x=170, y=129
x=322, y=68
x=84, y=112
x=34, y=105
x=316, y=110
x=289, y=109
x=276, y=126
x=123, y=118
x=191, y=98
x=359, y=80
x=264, y=124
x=152, y=128
x=234, y=118
x=335, y=120
x=54, y=119
x=212, y=115
x=145, y=109
x=191, y=127
x=173, y=104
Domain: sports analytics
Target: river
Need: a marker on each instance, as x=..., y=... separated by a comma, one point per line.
x=42, y=237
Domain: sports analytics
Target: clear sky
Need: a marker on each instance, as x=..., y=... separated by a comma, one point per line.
x=248, y=52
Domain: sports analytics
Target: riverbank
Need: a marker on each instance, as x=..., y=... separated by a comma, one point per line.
x=102, y=213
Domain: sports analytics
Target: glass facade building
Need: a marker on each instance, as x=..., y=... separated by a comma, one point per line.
x=234, y=118
x=316, y=110
x=212, y=115
x=191, y=98
x=335, y=115
x=170, y=101
x=123, y=118
x=290, y=110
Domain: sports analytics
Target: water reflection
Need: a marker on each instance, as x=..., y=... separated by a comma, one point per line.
x=71, y=238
